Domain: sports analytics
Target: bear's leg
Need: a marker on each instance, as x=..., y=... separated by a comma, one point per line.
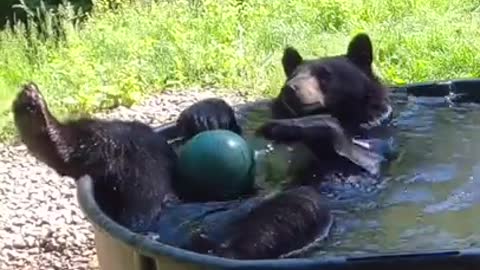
x=286, y=224
x=39, y=130
x=322, y=130
x=207, y=114
x=131, y=165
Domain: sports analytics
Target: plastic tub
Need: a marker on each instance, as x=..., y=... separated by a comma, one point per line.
x=120, y=249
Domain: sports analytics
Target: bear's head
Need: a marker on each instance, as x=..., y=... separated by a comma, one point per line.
x=342, y=85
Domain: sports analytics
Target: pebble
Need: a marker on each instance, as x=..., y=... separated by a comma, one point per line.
x=41, y=224
x=18, y=242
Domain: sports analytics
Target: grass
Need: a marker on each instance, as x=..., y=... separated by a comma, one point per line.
x=119, y=57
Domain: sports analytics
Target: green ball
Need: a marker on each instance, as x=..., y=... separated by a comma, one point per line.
x=215, y=165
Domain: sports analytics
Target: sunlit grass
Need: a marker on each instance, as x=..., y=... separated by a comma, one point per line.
x=118, y=57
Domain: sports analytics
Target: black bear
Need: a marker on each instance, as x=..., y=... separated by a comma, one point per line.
x=133, y=170
x=343, y=86
x=343, y=91
x=134, y=167
x=316, y=107
x=336, y=94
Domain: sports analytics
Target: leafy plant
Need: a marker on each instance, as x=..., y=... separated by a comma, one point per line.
x=125, y=50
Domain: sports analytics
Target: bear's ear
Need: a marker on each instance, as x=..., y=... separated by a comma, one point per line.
x=360, y=51
x=290, y=60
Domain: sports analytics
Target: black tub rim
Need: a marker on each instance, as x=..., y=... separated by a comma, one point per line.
x=149, y=247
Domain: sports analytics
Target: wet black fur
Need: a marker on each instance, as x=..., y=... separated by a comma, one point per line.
x=131, y=164
x=286, y=222
x=353, y=92
x=207, y=114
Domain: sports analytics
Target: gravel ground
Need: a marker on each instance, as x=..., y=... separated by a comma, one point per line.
x=41, y=224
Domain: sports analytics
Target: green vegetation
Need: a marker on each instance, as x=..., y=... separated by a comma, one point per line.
x=118, y=56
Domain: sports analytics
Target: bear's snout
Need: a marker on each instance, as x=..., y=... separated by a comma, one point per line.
x=303, y=94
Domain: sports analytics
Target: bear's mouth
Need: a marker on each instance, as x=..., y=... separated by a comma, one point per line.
x=299, y=108
x=312, y=108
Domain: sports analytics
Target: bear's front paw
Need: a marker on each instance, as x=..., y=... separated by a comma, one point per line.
x=207, y=114
x=277, y=131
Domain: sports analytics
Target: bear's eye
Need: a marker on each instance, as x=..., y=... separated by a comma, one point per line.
x=323, y=73
x=323, y=76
